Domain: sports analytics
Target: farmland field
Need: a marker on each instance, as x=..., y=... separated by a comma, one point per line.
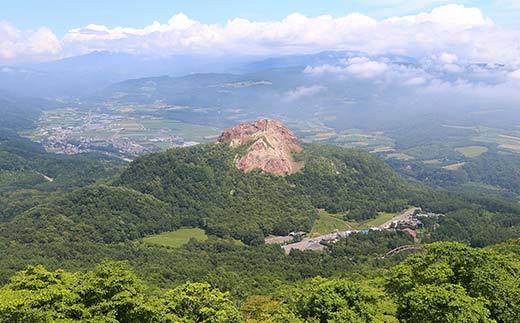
x=471, y=151
x=191, y=132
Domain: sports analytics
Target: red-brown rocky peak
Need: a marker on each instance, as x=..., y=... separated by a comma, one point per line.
x=271, y=146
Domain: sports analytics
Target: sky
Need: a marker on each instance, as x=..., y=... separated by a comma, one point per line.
x=63, y=15
x=34, y=30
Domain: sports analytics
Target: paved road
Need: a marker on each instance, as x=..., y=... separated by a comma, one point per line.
x=314, y=243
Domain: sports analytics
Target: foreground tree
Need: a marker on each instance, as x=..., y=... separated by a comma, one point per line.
x=110, y=293
x=198, y=302
x=37, y=295
x=456, y=283
x=337, y=300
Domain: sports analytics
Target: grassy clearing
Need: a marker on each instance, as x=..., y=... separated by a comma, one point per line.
x=176, y=238
x=471, y=151
x=381, y=218
x=328, y=223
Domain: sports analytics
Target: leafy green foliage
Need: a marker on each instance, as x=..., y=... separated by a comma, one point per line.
x=337, y=301
x=341, y=180
x=361, y=247
x=475, y=226
x=457, y=283
x=95, y=213
x=110, y=293
x=198, y=302
x=440, y=304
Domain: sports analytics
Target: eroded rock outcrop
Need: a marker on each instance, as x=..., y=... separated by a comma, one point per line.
x=271, y=145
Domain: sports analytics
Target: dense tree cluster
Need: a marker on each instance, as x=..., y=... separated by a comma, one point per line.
x=100, y=214
x=455, y=283
x=109, y=293
x=450, y=282
x=348, y=180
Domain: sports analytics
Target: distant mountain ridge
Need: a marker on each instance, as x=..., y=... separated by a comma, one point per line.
x=316, y=59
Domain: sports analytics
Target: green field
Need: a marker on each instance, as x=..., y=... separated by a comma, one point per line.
x=314, y=131
x=381, y=218
x=176, y=238
x=188, y=131
x=328, y=223
x=471, y=151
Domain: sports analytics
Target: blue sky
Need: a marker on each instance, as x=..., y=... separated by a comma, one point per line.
x=63, y=15
x=469, y=30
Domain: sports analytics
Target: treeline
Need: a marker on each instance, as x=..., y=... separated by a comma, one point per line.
x=446, y=283
x=242, y=270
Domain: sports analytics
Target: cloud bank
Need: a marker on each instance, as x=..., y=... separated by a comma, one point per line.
x=466, y=33
x=27, y=45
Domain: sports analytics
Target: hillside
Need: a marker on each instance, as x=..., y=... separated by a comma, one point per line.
x=202, y=186
x=25, y=164
x=99, y=214
x=208, y=188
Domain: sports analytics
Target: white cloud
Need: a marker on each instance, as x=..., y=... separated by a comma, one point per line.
x=357, y=66
x=324, y=69
x=515, y=74
x=448, y=58
x=365, y=68
x=415, y=81
x=452, y=68
x=303, y=91
x=17, y=45
x=452, y=17
x=459, y=33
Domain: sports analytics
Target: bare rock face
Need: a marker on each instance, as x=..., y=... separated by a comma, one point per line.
x=272, y=145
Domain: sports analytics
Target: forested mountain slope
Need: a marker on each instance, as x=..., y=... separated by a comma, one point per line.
x=206, y=188
x=100, y=214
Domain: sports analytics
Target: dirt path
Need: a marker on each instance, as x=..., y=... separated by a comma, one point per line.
x=47, y=178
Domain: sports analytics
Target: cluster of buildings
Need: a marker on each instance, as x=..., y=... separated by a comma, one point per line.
x=406, y=222
x=70, y=131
